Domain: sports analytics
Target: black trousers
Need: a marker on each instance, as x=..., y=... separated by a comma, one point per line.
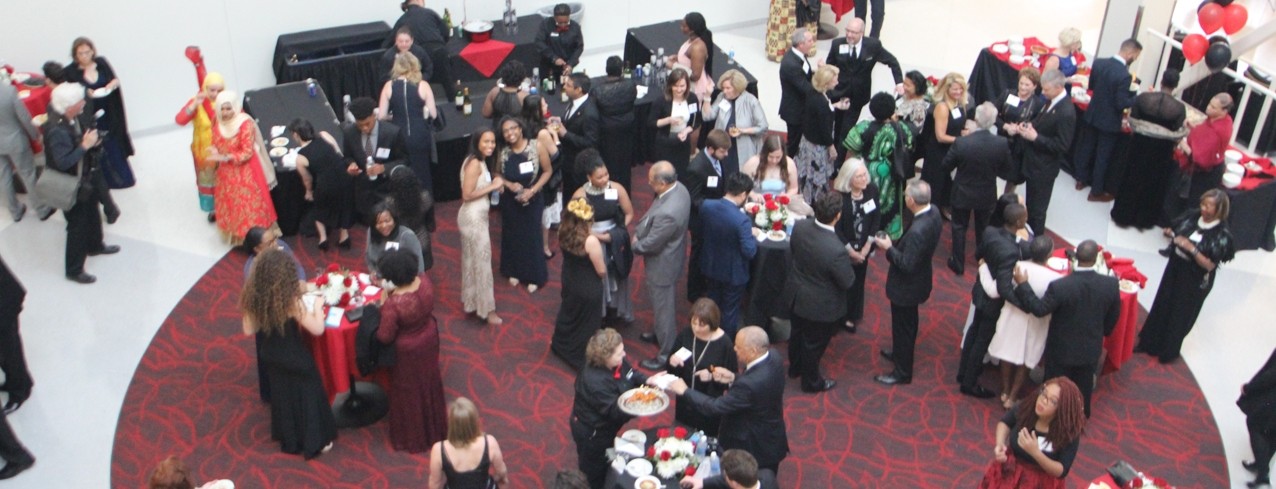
x=83, y=231
x=961, y=217
x=855, y=295
x=696, y=284
x=11, y=450
x=793, y=138
x=1038, y=201
x=809, y=340
x=1082, y=375
x=1262, y=440
x=17, y=378
x=976, y=343
x=1093, y=156
x=591, y=452
x=843, y=122
x=879, y=11
x=904, y=321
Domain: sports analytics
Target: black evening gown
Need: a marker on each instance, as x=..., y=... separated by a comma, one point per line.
x=522, y=245
x=718, y=353
x=1140, y=200
x=117, y=145
x=407, y=110
x=333, y=187
x=1184, y=287
x=300, y=417
x=932, y=170
x=581, y=312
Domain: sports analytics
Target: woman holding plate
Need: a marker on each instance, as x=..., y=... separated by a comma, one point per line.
x=596, y=414
x=96, y=74
x=697, y=351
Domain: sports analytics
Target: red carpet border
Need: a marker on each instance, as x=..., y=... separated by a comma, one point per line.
x=194, y=395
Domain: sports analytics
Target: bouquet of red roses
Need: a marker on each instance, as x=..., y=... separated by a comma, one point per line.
x=673, y=455
x=339, y=287
x=772, y=214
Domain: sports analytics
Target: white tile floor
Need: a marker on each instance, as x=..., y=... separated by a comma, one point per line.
x=83, y=342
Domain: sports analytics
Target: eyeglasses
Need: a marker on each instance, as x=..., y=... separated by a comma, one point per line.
x=1053, y=401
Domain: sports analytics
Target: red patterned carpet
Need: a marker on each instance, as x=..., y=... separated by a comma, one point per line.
x=194, y=395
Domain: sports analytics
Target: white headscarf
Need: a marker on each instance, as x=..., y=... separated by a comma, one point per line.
x=229, y=129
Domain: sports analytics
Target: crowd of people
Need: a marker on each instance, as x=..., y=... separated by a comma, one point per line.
x=852, y=185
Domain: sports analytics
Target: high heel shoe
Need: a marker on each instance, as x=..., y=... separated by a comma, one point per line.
x=323, y=245
x=345, y=245
x=493, y=320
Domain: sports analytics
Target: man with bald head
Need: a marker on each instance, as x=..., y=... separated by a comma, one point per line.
x=661, y=239
x=752, y=410
x=855, y=56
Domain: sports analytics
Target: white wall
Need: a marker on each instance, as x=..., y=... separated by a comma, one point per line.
x=145, y=40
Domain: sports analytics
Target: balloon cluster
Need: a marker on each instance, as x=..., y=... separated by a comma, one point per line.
x=1212, y=16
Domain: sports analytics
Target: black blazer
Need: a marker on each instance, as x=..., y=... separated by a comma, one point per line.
x=1055, y=128
x=855, y=78
x=1026, y=111
x=1110, y=82
x=752, y=411
x=598, y=391
x=870, y=222
x=697, y=182
x=615, y=98
x=553, y=44
x=11, y=292
x=908, y=281
x=387, y=64
x=1085, y=308
x=661, y=109
x=1258, y=396
x=820, y=273
x=765, y=477
x=795, y=86
x=426, y=26
x=1000, y=252
x=582, y=133
x=388, y=136
x=817, y=124
x=978, y=157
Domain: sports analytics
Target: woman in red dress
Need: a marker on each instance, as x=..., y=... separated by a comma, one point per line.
x=418, y=412
x=242, y=197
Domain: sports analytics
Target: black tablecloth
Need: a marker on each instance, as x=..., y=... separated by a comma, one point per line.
x=768, y=273
x=342, y=59
x=278, y=106
x=622, y=480
x=453, y=142
x=524, y=42
x=642, y=42
x=989, y=77
x=1253, y=217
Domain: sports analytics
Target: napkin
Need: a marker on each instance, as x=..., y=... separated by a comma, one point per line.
x=642, y=91
x=276, y=131
x=662, y=381
x=628, y=447
x=288, y=160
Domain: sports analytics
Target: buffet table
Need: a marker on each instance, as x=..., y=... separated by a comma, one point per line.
x=475, y=61
x=344, y=59
x=993, y=72
x=642, y=42
x=1253, y=212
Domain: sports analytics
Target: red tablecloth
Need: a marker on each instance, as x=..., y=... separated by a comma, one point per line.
x=36, y=99
x=1255, y=178
x=334, y=354
x=1103, y=479
x=1120, y=344
x=486, y=56
x=840, y=7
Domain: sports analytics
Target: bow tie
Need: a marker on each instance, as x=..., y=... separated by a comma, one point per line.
x=562, y=28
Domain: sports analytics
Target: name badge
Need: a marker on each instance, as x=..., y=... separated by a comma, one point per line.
x=525, y=167
x=956, y=113
x=870, y=206
x=391, y=245
x=691, y=108
x=553, y=34
x=383, y=153
x=724, y=105
x=844, y=49
x=712, y=182
x=611, y=194
x=1012, y=100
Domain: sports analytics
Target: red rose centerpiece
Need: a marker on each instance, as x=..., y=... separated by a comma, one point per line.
x=772, y=215
x=338, y=287
x=673, y=455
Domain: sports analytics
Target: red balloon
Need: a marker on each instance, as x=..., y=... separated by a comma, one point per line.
x=1194, y=46
x=1234, y=18
x=1210, y=16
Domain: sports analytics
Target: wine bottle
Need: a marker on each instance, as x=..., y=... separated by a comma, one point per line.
x=459, y=96
x=467, y=106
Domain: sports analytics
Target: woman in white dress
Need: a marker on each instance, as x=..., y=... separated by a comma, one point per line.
x=1020, y=339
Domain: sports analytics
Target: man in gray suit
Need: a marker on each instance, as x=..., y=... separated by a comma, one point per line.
x=661, y=239
x=16, y=134
x=819, y=276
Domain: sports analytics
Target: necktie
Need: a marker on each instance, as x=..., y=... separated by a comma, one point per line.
x=717, y=166
x=367, y=145
x=572, y=111
x=855, y=53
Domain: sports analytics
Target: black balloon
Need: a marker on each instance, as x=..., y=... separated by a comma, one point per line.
x=1218, y=56
x=1221, y=3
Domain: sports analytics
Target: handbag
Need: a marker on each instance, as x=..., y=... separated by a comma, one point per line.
x=902, y=163
x=58, y=189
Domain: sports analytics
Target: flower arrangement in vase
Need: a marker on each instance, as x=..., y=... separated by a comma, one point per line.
x=771, y=216
x=338, y=287
x=673, y=456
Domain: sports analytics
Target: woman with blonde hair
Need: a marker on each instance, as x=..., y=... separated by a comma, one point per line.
x=861, y=218
x=948, y=118
x=271, y=302
x=409, y=102
x=242, y=197
x=581, y=311
x=1064, y=58
x=484, y=465
x=816, y=156
x=738, y=113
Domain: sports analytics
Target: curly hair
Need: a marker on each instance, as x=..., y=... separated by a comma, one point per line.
x=578, y=218
x=171, y=473
x=270, y=296
x=410, y=204
x=600, y=346
x=1069, y=417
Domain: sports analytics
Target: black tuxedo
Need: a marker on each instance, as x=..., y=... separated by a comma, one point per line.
x=820, y=274
x=908, y=284
x=1084, y=307
x=12, y=361
x=855, y=77
x=795, y=86
x=1110, y=82
x=1258, y=402
x=766, y=479
x=978, y=157
x=1001, y=252
x=697, y=181
x=752, y=412
x=369, y=192
x=583, y=131
x=1042, y=157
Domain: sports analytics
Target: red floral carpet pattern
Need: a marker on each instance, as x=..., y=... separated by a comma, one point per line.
x=194, y=395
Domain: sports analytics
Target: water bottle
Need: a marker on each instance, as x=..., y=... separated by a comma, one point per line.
x=701, y=444
x=715, y=465
x=731, y=56
x=311, y=88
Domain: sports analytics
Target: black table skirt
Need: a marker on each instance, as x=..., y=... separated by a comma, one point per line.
x=525, y=50
x=769, y=271
x=989, y=77
x=642, y=42
x=1253, y=217
x=343, y=59
x=622, y=480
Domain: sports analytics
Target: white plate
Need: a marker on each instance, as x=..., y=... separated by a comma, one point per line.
x=277, y=142
x=21, y=77
x=647, y=482
x=1254, y=167
x=278, y=152
x=659, y=402
x=634, y=436
x=776, y=235
x=1129, y=287
x=1000, y=48
x=1057, y=263
x=102, y=92
x=638, y=467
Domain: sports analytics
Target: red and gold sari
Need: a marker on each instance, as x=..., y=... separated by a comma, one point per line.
x=242, y=196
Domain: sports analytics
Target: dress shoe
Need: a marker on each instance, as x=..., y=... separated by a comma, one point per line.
x=1164, y=252
x=1259, y=482
x=957, y=267
x=17, y=216
x=112, y=215
x=1081, y=185
x=212, y=217
x=850, y=327
x=44, y=216
x=823, y=385
x=894, y=378
x=83, y=278
x=1250, y=465
x=978, y=391
x=323, y=245
x=648, y=337
x=106, y=250
x=13, y=405
x=1101, y=197
x=660, y=362
x=887, y=354
x=12, y=469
